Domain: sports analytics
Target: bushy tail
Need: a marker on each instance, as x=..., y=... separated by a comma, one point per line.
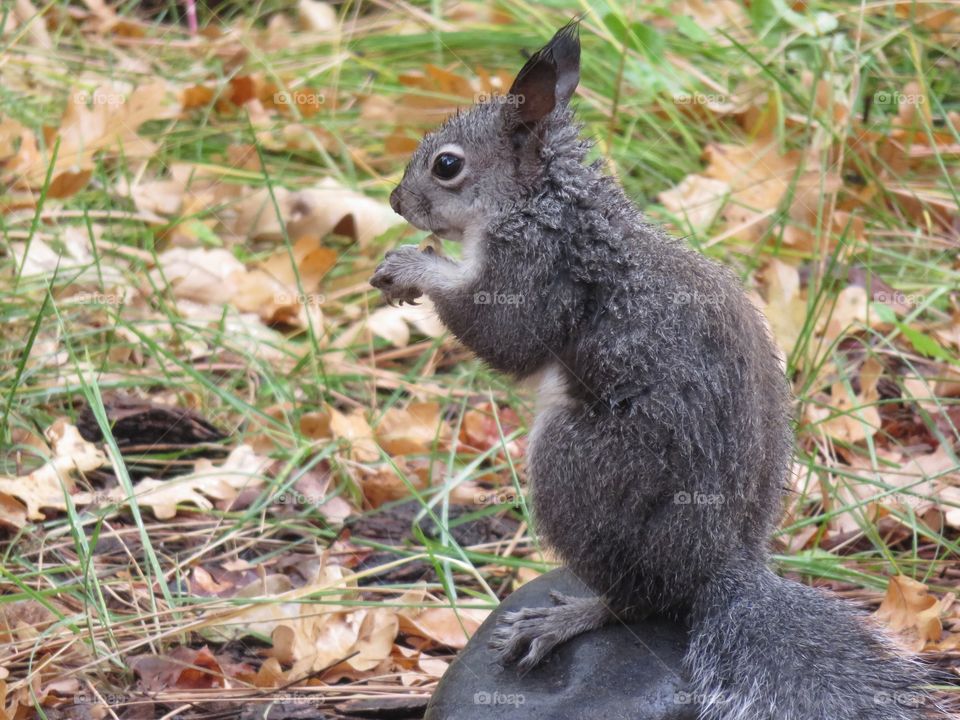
x=766, y=648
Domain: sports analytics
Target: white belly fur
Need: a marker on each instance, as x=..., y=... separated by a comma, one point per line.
x=552, y=396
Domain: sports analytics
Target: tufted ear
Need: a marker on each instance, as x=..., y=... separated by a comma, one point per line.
x=549, y=77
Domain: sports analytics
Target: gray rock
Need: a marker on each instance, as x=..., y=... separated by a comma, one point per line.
x=628, y=672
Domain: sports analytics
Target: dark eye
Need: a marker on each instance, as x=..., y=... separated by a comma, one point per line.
x=447, y=166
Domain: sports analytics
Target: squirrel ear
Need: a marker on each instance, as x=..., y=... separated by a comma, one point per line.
x=550, y=75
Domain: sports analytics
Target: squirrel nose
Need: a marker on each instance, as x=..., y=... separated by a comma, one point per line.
x=395, y=200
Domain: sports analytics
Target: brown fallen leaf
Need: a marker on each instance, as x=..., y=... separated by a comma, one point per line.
x=313, y=488
x=434, y=94
x=102, y=120
x=412, y=430
x=156, y=199
x=482, y=425
x=103, y=20
x=241, y=470
x=315, y=212
x=195, y=96
x=696, y=200
x=383, y=484
x=316, y=16
x=185, y=668
x=21, y=498
x=214, y=276
x=846, y=416
x=25, y=622
x=202, y=583
x=356, y=432
x=784, y=306
x=24, y=12
x=280, y=295
x=760, y=177
x=205, y=275
x=910, y=609
x=314, y=635
x=439, y=626
x=316, y=425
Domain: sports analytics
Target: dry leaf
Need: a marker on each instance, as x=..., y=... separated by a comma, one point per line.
x=909, y=608
x=849, y=310
x=482, y=426
x=314, y=212
x=21, y=498
x=278, y=293
x=785, y=309
x=24, y=12
x=444, y=626
x=356, y=431
x=412, y=430
x=697, y=199
x=314, y=635
x=105, y=119
x=205, y=275
x=242, y=469
x=847, y=417
x=317, y=16
x=385, y=484
x=392, y=323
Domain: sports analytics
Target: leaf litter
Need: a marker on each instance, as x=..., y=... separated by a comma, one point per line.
x=334, y=586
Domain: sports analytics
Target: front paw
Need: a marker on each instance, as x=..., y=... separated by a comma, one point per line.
x=524, y=637
x=400, y=274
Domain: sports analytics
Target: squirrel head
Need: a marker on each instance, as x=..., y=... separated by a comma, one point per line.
x=487, y=159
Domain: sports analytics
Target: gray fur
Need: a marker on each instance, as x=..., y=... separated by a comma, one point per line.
x=662, y=444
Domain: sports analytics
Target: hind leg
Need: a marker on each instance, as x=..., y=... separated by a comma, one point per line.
x=527, y=636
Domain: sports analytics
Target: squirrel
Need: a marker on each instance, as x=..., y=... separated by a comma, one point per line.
x=662, y=441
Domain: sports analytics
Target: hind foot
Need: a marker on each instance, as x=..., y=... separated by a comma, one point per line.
x=525, y=637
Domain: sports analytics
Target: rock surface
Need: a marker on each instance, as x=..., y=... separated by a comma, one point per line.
x=620, y=672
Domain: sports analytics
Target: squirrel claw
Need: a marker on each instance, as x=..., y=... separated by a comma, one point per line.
x=526, y=636
x=397, y=276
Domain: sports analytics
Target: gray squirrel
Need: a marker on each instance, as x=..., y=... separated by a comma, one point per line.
x=661, y=446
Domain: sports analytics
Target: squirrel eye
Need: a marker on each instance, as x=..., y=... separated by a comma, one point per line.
x=447, y=166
